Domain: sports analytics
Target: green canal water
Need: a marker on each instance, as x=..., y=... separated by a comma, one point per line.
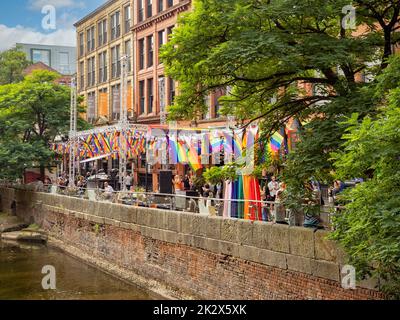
x=21, y=277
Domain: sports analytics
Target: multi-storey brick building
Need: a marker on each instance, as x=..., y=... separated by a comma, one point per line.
x=137, y=29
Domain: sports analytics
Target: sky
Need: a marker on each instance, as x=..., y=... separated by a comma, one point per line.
x=23, y=21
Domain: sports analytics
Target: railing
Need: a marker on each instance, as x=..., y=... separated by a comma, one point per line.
x=270, y=211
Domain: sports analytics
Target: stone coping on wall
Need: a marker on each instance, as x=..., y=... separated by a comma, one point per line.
x=286, y=247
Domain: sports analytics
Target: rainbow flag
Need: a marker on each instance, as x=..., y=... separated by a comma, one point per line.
x=237, y=144
x=173, y=151
x=182, y=152
x=276, y=142
x=193, y=155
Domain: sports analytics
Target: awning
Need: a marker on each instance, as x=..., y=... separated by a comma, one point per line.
x=96, y=158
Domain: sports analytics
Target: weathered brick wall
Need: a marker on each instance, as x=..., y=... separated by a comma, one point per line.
x=7, y=196
x=206, y=257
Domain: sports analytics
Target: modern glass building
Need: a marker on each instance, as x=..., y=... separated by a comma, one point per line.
x=60, y=58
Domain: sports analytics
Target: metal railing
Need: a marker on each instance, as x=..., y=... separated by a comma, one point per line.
x=270, y=211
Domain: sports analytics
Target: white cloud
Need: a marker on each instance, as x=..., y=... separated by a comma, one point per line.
x=39, y=4
x=9, y=36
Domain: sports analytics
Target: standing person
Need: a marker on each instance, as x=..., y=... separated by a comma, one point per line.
x=219, y=190
x=264, y=199
x=186, y=183
x=206, y=190
x=273, y=187
x=177, y=183
x=128, y=181
x=280, y=211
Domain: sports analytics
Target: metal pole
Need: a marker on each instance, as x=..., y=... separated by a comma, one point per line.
x=72, y=135
x=123, y=123
x=163, y=117
x=146, y=178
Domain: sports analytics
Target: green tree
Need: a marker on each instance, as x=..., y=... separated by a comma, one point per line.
x=12, y=64
x=369, y=227
x=32, y=113
x=263, y=49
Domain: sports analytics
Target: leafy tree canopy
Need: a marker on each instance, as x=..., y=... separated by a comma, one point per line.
x=12, y=64
x=32, y=113
x=369, y=228
x=267, y=51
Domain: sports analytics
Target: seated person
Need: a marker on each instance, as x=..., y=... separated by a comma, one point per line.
x=108, y=191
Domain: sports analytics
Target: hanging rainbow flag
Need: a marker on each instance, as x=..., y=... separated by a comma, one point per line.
x=172, y=150
x=228, y=143
x=182, y=152
x=193, y=154
x=237, y=143
x=276, y=142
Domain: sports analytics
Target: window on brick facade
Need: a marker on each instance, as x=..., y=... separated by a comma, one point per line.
x=141, y=54
x=140, y=10
x=141, y=97
x=160, y=6
x=116, y=61
x=116, y=102
x=82, y=75
x=128, y=18
x=128, y=53
x=161, y=40
x=115, y=25
x=102, y=31
x=169, y=31
x=91, y=110
x=149, y=8
x=171, y=94
x=103, y=67
x=207, y=102
x=217, y=107
x=90, y=39
x=170, y=3
x=81, y=44
x=150, y=95
x=91, y=72
x=150, y=51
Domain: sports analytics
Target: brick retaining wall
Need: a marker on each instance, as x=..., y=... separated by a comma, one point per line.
x=205, y=257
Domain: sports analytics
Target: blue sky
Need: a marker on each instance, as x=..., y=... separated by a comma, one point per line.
x=21, y=21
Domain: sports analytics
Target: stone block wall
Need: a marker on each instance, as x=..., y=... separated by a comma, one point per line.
x=204, y=257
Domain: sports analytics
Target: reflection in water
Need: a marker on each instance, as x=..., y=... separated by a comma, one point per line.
x=21, y=277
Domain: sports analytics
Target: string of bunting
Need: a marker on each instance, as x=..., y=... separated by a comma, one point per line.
x=185, y=147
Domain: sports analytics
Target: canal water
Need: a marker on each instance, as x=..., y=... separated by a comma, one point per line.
x=21, y=276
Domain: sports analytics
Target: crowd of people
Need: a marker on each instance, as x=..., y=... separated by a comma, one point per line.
x=272, y=193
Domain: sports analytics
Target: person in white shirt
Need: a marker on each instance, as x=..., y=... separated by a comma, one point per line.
x=128, y=181
x=273, y=187
x=108, y=191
